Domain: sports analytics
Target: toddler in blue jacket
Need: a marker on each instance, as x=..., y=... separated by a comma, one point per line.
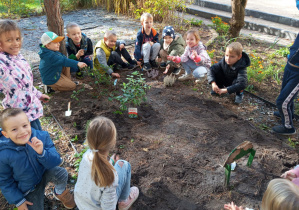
x=28, y=161
x=55, y=68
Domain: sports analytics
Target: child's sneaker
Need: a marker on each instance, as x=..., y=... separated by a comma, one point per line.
x=176, y=71
x=50, y=90
x=79, y=75
x=66, y=198
x=125, y=205
x=153, y=64
x=280, y=129
x=239, y=98
x=163, y=65
x=146, y=67
x=185, y=77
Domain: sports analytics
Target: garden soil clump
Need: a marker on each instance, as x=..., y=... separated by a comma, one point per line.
x=178, y=144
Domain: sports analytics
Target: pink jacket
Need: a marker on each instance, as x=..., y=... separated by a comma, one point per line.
x=16, y=83
x=201, y=51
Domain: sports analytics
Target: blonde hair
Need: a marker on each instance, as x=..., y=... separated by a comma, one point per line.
x=9, y=25
x=109, y=33
x=7, y=113
x=71, y=25
x=195, y=33
x=281, y=194
x=145, y=16
x=101, y=136
x=235, y=47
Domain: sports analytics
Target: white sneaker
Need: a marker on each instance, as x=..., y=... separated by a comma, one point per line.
x=185, y=77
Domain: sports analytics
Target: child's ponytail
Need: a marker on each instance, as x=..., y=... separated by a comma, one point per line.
x=101, y=137
x=102, y=170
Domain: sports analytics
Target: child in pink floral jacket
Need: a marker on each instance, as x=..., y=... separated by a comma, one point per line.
x=16, y=79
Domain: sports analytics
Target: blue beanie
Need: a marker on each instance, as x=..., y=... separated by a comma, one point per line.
x=168, y=31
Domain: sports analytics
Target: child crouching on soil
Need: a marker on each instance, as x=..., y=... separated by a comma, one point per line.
x=79, y=47
x=281, y=194
x=171, y=45
x=230, y=74
x=28, y=161
x=54, y=66
x=195, y=58
x=103, y=182
x=108, y=53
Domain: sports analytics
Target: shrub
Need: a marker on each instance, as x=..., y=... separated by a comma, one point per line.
x=134, y=91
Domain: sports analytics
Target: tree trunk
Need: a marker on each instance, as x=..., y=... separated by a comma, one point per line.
x=54, y=20
x=238, y=14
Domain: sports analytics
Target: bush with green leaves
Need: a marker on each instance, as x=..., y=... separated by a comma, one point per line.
x=133, y=92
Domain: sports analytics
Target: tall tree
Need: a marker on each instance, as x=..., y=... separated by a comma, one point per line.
x=238, y=14
x=54, y=20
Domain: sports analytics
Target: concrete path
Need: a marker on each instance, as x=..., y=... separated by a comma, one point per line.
x=279, y=7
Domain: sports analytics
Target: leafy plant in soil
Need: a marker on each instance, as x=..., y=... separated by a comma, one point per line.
x=133, y=92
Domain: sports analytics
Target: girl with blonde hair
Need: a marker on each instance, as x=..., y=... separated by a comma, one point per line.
x=103, y=181
x=281, y=194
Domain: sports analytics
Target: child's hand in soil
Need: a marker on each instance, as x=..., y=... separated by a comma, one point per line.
x=232, y=206
x=115, y=75
x=80, y=53
x=289, y=175
x=82, y=65
x=24, y=205
x=44, y=98
x=139, y=63
x=222, y=91
x=215, y=87
x=37, y=145
x=166, y=69
x=121, y=46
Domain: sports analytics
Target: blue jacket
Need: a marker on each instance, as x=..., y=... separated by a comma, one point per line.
x=51, y=63
x=140, y=41
x=21, y=168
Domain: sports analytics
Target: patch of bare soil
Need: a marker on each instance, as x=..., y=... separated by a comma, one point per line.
x=179, y=142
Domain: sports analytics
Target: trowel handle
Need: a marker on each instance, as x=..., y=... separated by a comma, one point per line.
x=69, y=106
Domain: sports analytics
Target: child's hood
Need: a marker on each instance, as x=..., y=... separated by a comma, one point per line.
x=244, y=62
x=45, y=52
x=178, y=40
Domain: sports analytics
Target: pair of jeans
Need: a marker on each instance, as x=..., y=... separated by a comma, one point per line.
x=198, y=71
x=58, y=176
x=86, y=60
x=150, y=52
x=124, y=180
x=36, y=125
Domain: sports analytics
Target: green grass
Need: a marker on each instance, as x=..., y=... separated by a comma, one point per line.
x=19, y=7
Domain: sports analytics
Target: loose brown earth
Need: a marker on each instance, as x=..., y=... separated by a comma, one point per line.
x=179, y=142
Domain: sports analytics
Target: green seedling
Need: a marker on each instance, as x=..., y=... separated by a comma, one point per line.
x=74, y=139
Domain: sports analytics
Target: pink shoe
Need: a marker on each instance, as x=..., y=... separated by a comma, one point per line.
x=125, y=205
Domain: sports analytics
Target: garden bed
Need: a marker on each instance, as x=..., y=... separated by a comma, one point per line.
x=181, y=139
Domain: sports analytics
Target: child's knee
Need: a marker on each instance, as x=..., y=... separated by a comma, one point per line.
x=146, y=46
x=120, y=163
